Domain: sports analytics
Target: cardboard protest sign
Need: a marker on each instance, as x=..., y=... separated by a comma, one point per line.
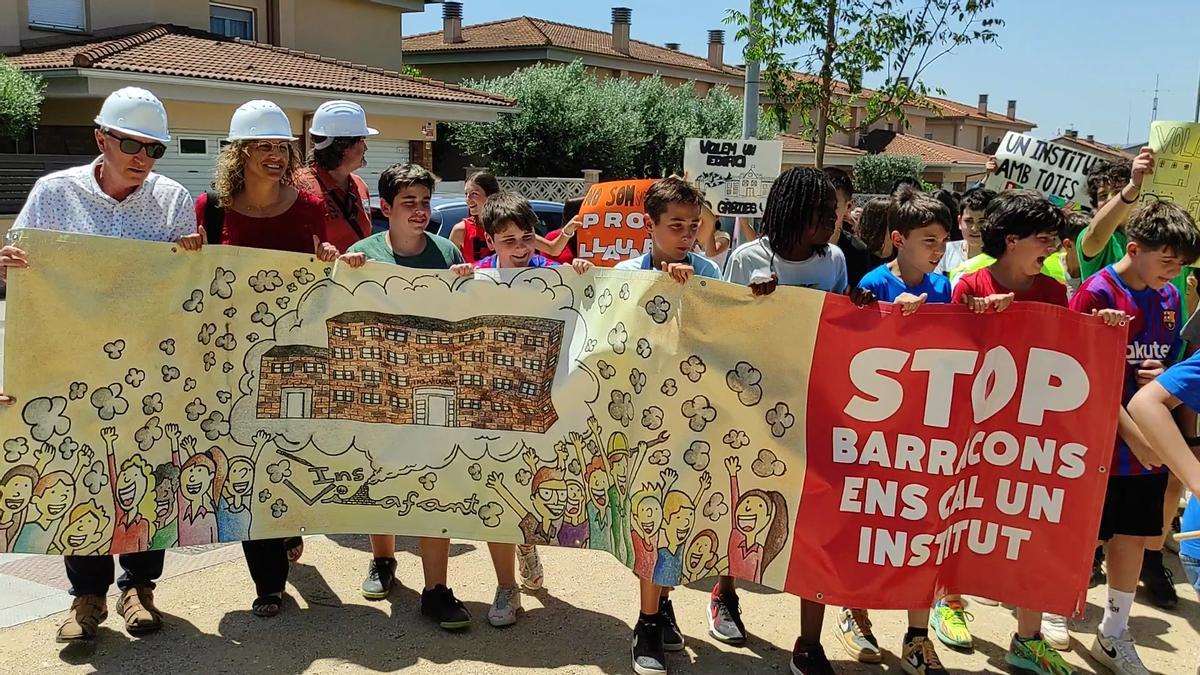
x=1053, y=169
x=736, y=175
x=171, y=399
x=614, y=222
x=1176, y=174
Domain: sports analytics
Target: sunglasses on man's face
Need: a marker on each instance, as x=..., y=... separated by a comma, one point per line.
x=129, y=146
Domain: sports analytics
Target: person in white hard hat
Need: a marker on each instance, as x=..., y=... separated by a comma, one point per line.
x=339, y=146
x=255, y=203
x=118, y=195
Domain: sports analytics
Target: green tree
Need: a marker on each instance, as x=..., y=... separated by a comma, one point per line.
x=20, y=101
x=568, y=120
x=876, y=174
x=844, y=41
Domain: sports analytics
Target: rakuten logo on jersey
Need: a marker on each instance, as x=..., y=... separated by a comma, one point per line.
x=1141, y=352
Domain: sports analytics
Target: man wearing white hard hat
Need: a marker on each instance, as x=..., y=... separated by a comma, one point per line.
x=339, y=130
x=117, y=195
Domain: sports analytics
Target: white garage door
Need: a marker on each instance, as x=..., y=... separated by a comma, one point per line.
x=192, y=157
x=382, y=153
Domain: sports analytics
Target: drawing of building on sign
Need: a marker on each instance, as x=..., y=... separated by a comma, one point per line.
x=1172, y=173
x=488, y=372
x=749, y=186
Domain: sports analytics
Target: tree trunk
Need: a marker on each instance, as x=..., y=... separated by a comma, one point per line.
x=826, y=80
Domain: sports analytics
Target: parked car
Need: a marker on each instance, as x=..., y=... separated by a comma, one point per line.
x=448, y=210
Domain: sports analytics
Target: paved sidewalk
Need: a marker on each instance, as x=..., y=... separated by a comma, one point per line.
x=580, y=623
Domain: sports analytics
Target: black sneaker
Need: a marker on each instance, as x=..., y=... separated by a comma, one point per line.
x=810, y=660
x=380, y=577
x=647, y=648
x=439, y=604
x=1158, y=580
x=1098, y=576
x=672, y=639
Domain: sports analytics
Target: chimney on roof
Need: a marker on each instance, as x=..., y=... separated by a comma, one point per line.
x=621, y=18
x=983, y=104
x=716, y=49
x=673, y=46
x=902, y=81
x=1012, y=109
x=452, y=22
x=1091, y=138
x=1072, y=133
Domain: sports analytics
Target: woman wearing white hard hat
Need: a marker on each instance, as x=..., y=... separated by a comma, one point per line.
x=339, y=130
x=256, y=204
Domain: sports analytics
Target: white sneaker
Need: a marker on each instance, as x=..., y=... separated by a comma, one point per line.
x=1118, y=655
x=530, y=566
x=1055, y=632
x=505, y=607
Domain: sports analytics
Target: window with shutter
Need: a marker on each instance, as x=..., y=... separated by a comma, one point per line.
x=58, y=14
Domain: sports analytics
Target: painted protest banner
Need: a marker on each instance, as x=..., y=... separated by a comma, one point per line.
x=736, y=175
x=169, y=398
x=1176, y=174
x=1053, y=169
x=613, y=222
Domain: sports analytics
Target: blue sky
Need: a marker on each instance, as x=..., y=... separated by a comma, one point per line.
x=1084, y=64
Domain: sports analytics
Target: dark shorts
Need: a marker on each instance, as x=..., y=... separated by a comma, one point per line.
x=1133, y=506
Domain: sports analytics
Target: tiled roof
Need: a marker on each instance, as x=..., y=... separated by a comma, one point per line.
x=798, y=144
x=933, y=152
x=524, y=32
x=950, y=108
x=1095, y=147
x=185, y=52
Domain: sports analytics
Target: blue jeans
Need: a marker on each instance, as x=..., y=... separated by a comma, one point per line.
x=1191, y=567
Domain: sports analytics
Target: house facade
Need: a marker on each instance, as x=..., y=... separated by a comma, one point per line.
x=488, y=372
x=459, y=52
x=282, y=50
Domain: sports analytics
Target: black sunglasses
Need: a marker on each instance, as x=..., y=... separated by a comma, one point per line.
x=129, y=146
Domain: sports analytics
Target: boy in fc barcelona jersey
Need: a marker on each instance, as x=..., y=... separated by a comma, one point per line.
x=1162, y=239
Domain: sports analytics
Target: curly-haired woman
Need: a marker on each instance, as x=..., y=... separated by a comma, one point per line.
x=256, y=204
x=256, y=201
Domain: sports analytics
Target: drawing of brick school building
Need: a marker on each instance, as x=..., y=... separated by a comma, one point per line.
x=487, y=372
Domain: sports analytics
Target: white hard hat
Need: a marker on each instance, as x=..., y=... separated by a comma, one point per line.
x=135, y=111
x=339, y=119
x=260, y=120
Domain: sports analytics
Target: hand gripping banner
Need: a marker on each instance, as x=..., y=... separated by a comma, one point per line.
x=856, y=456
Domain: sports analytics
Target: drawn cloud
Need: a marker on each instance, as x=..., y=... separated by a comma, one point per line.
x=266, y=281
x=108, y=402
x=736, y=439
x=148, y=435
x=745, y=381
x=45, y=417
x=222, y=283
x=715, y=507
x=693, y=368
x=699, y=412
x=620, y=408
x=767, y=465
x=780, y=418
x=697, y=455
x=490, y=514
x=617, y=337
x=652, y=418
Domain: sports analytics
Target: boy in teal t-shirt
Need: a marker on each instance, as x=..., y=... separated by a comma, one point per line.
x=404, y=194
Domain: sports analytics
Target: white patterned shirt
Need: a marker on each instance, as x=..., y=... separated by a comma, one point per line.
x=71, y=201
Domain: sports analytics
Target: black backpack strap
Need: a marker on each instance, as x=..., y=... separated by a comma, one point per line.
x=214, y=217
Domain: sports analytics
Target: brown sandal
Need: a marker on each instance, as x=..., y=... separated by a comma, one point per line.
x=267, y=606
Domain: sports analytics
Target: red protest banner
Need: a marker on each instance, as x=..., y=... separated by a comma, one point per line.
x=614, y=227
x=941, y=460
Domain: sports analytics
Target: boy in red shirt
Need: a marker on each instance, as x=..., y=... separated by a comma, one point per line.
x=1022, y=229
